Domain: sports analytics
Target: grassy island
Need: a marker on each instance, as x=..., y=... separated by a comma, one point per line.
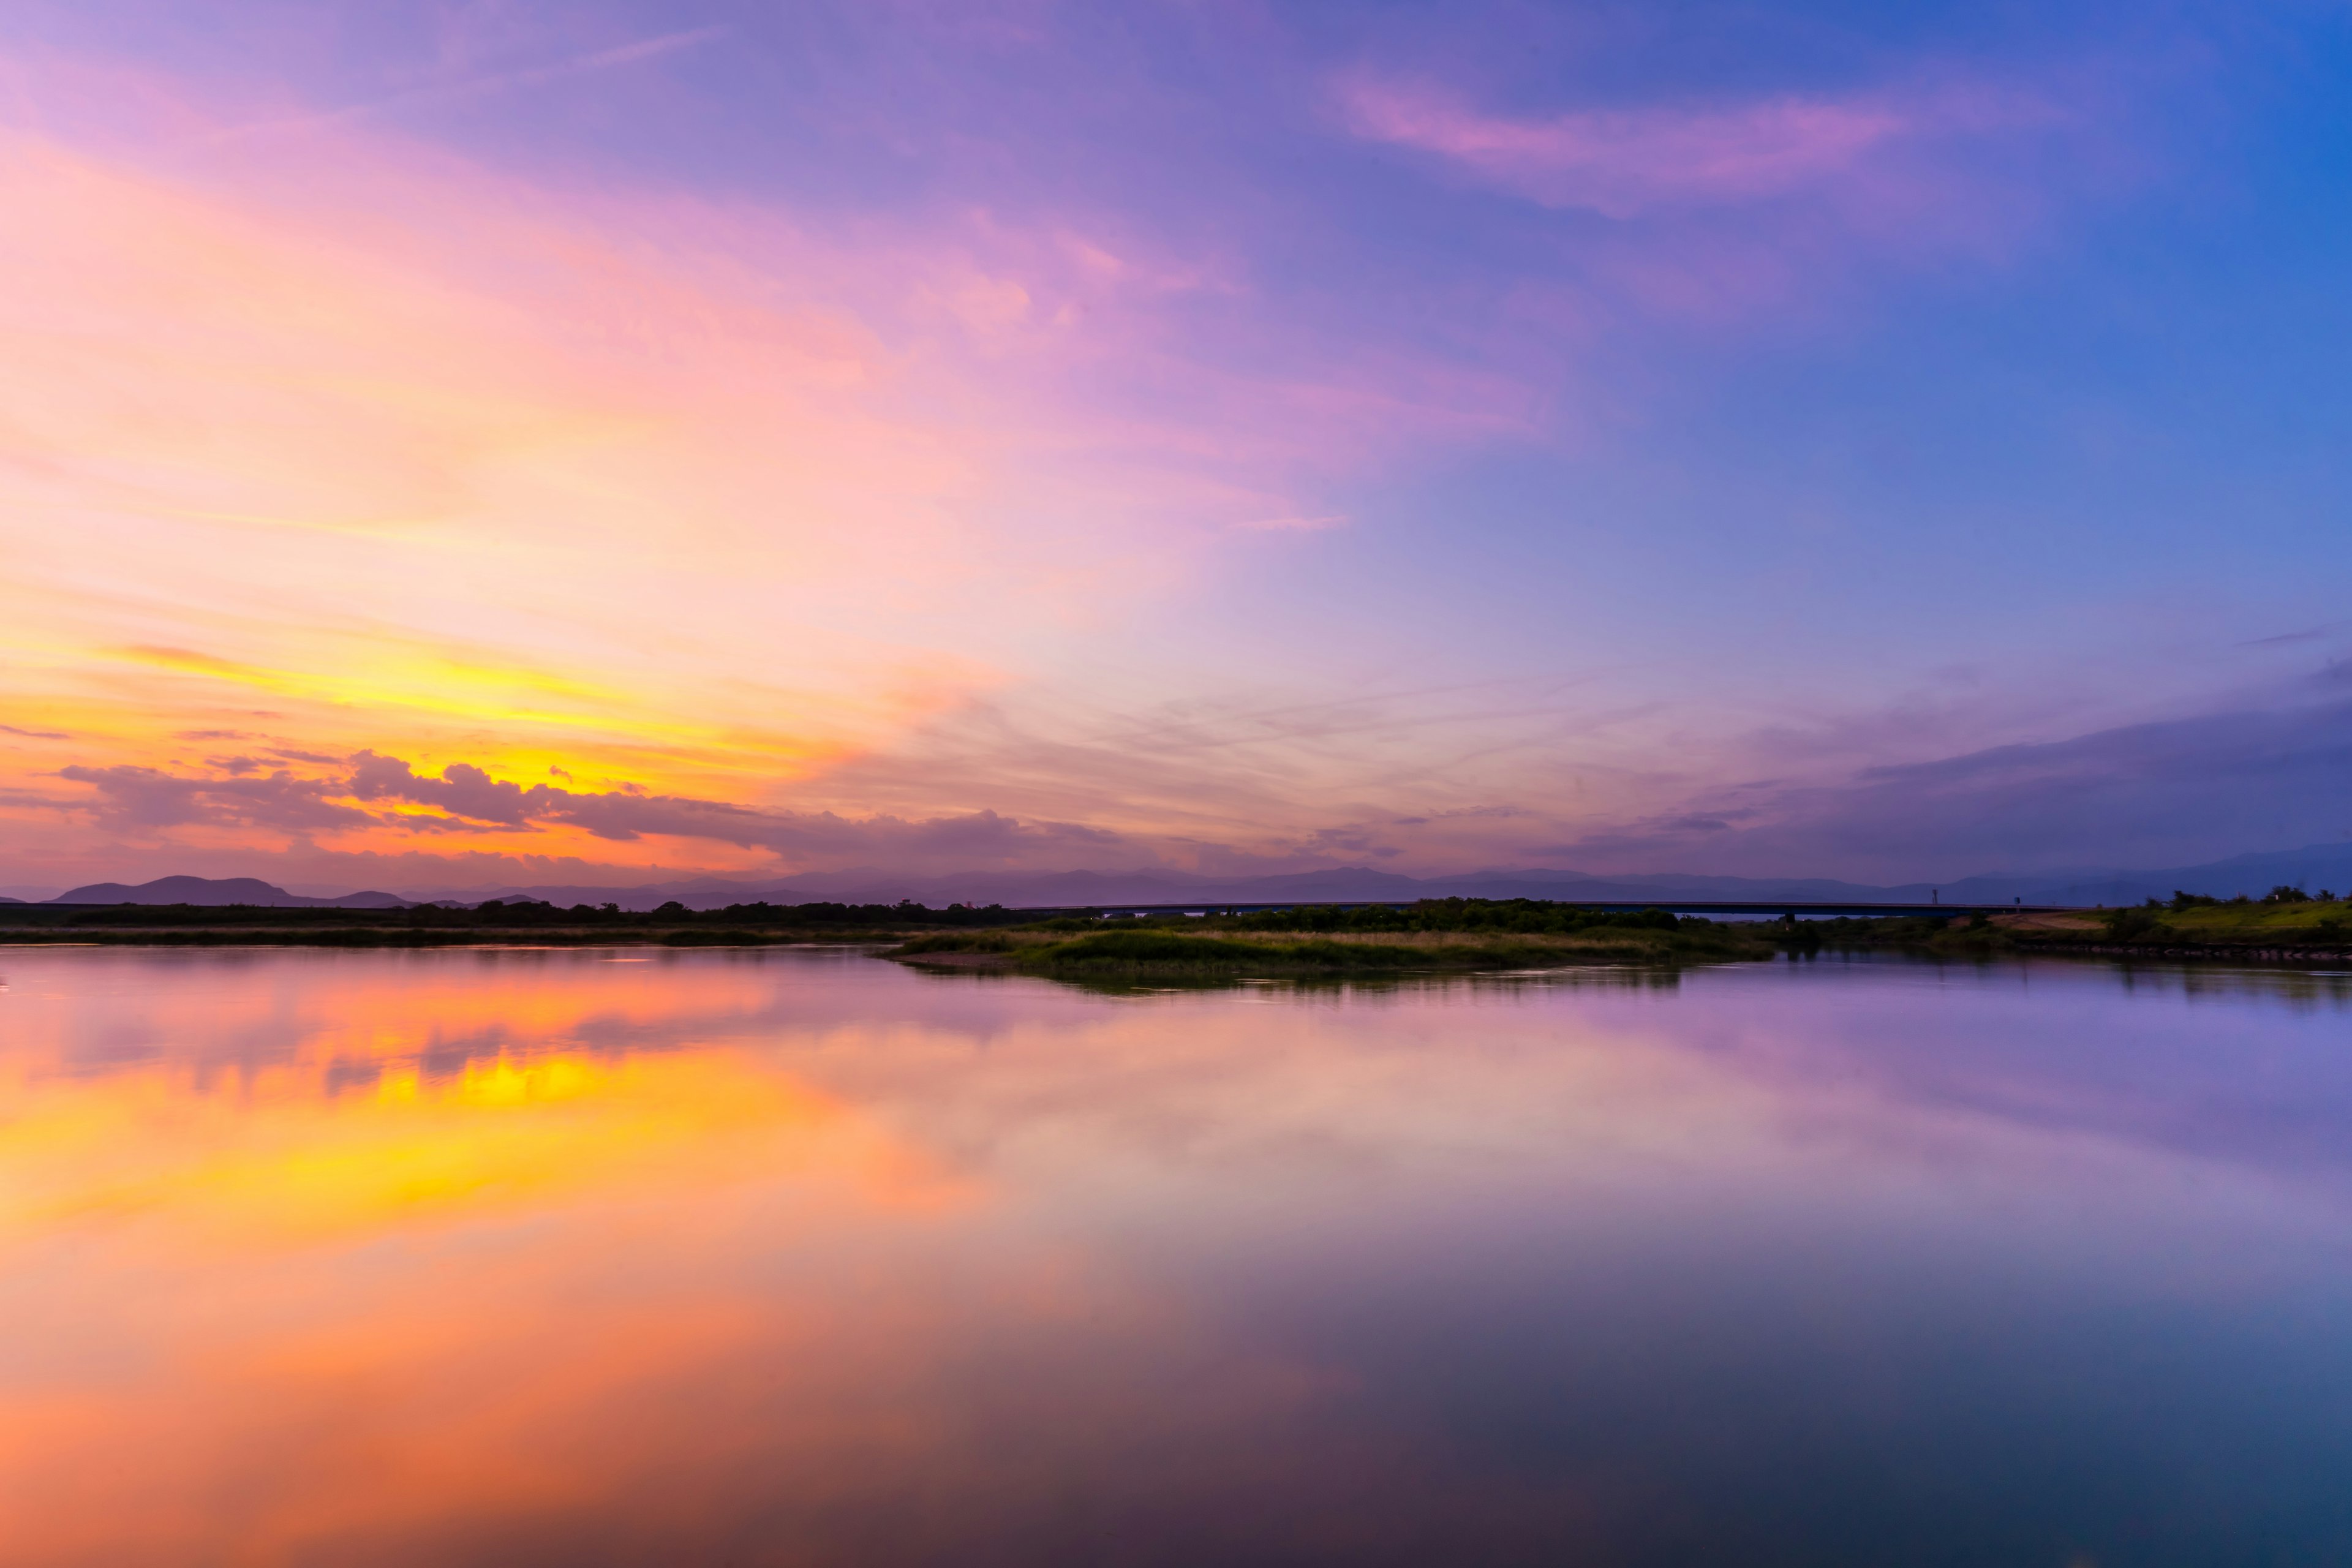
x=1436, y=935
x=2286, y=923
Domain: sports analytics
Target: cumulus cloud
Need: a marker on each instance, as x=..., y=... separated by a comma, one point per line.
x=2155, y=793
x=466, y=799
x=466, y=793
x=151, y=798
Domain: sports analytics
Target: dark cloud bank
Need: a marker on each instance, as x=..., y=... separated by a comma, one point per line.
x=2037, y=821
x=464, y=799
x=2176, y=793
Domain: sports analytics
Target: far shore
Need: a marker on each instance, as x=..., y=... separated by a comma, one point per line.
x=1449, y=935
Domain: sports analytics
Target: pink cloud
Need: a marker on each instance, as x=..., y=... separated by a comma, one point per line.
x=1624, y=162
x=1724, y=212
x=786, y=513
x=641, y=482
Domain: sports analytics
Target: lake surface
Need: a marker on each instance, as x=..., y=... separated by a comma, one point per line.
x=530, y=1258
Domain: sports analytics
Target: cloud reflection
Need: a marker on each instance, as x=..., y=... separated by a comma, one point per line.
x=550, y=1258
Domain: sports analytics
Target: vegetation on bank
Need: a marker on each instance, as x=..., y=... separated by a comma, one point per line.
x=1435, y=935
x=1450, y=934
x=515, y=922
x=2286, y=921
x=1447, y=934
x=2286, y=918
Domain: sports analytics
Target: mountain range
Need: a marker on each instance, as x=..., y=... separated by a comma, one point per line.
x=2317, y=865
x=250, y=891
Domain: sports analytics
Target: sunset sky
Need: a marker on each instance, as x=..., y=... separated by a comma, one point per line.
x=456, y=444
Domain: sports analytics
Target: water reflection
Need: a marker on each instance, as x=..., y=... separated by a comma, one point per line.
x=1361, y=987
x=786, y=1257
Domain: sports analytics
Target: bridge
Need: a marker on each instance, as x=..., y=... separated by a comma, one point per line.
x=1750, y=908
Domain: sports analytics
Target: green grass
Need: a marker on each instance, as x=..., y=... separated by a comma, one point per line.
x=1158, y=949
x=2299, y=924
x=2288, y=924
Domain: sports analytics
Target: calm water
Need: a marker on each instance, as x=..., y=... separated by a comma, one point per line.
x=585, y=1258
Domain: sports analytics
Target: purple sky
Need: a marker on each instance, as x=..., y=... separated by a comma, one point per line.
x=468, y=443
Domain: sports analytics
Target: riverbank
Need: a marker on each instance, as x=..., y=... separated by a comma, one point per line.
x=510, y=924
x=2276, y=929
x=1437, y=935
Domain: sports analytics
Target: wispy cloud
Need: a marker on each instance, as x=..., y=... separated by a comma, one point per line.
x=478, y=86
x=860, y=501
x=1623, y=161
x=1294, y=524
x=2320, y=633
x=633, y=485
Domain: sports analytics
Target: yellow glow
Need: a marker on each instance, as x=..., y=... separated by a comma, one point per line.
x=388, y=1249
x=268, y=1159
x=368, y=475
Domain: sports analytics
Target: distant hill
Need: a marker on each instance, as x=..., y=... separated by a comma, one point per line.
x=218, y=891
x=2318, y=866
x=1080, y=889
x=2312, y=868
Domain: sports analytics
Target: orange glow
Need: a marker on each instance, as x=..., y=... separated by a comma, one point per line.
x=434, y=449
x=358, y=1130
x=459, y=472
x=390, y=1258
x=577, y=1200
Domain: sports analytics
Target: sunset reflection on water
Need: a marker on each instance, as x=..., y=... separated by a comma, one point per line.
x=800, y=1258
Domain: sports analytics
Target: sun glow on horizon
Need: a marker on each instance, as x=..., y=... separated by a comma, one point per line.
x=1407, y=439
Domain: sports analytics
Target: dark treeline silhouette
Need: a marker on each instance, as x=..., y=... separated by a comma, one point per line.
x=673, y=924
x=427, y=924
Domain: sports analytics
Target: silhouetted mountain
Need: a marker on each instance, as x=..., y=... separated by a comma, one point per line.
x=1079, y=890
x=2316, y=867
x=2326, y=865
x=2312, y=868
x=217, y=891
x=1086, y=889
